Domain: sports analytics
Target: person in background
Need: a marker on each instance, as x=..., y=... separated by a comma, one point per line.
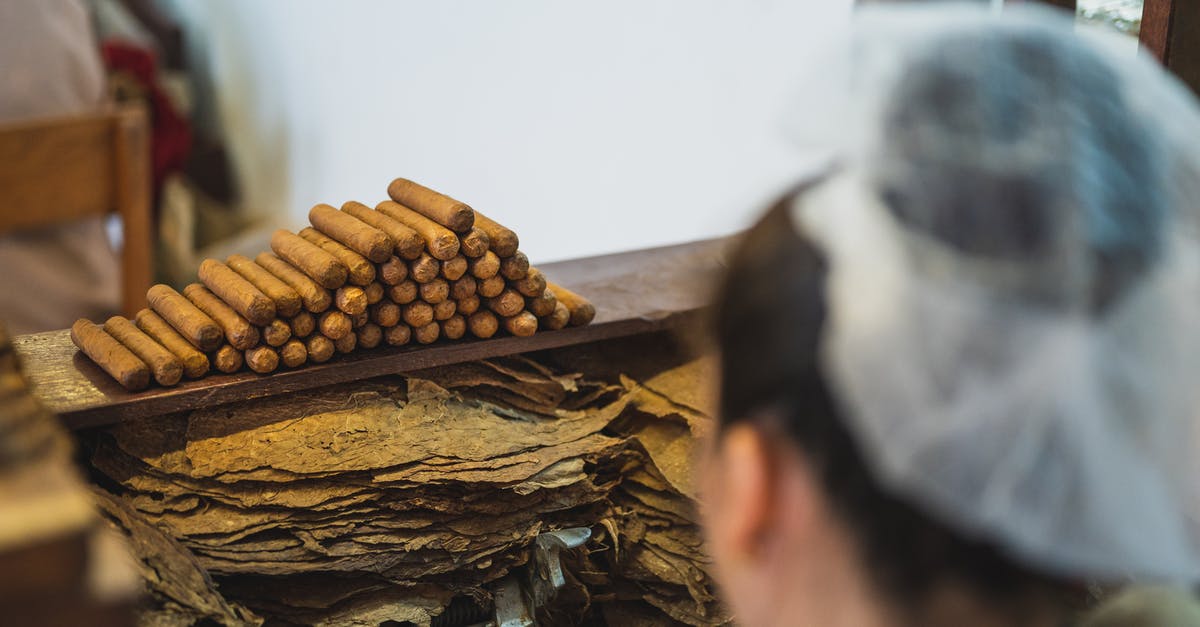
x=957, y=371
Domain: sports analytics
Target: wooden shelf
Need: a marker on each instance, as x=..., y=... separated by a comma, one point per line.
x=635, y=292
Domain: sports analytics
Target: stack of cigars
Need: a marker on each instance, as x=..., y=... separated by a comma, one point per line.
x=417, y=268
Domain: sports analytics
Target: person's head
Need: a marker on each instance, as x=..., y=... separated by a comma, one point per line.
x=948, y=387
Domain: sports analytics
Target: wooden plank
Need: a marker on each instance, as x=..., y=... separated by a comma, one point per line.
x=131, y=162
x=1156, y=27
x=635, y=292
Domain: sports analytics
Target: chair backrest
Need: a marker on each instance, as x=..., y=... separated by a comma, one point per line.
x=58, y=170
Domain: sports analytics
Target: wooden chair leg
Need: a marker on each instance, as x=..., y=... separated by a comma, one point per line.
x=133, y=195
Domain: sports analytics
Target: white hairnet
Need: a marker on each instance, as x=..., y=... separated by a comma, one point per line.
x=1014, y=288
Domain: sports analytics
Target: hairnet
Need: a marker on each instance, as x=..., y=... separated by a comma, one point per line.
x=1013, y=288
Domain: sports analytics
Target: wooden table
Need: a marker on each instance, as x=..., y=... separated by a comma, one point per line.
x=634, y=292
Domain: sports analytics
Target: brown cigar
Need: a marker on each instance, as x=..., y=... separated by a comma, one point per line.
x=534, y=283
x=385, y=314
x=238, y=331
x=441, y=241
x=508, y=303
x=445, y=309
x=468, y=305
x=463, y=288
x=293, y=354
x=490, y=288
x=417, y=314
x=556, y=319
x=350, y=299
x=427, y=334
x=523, y=324
x=424, y=269
x=359, y=270
x=346, y=343
x=203, y=332
x=118, y=361
x=195, y=363
x=277, y=333
x=393, y=271
x=474, y=243
x=228, y=359
x=484, y=267
x=446, y=211
x=515, y=267
x=303, y=324
x=454, y=268
x=335, y=324
x=262, y=359
x=369, y=335
x=374, y=293
x=287, y=299
x=320, y=348
x=409, y=243
x=582, y=310
x=309, y=258
x=541, y=304
x=361, y=237
x=404, y=293
x=359, y=319
x=398, y=335
x=164, y=365
x=237, y=292
x=503, y=241
x=316, y=298
x=483, y=324
x=435, y=291
x=454, y=327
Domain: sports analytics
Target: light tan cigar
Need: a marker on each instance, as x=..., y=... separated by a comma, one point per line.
x=293, y=354
x=195, y=363
x=359, y=236
x=474, y=243
x=359, y=319
x=556, y=319
x=534, y=283
x=393, y=271
x=373, y=292
x=483, y=324
x=445, y=309
x=508, y=303
x=237, y=292
x=424, y=269
x=446, y=211
x=277, y=333
x=523, y=324
x=541, y=304
x=441, y=241
x=454, y=327
x=463, y=288
x=417, y=314
x=468, y=305
x=303, y=324
x=435, y=291
x=369, y=335
x=515, y=267
x=582, y=310
x=164, y=365
x=454, y=268
x=262, y=359
x=346, y=343
x=335, y=324
x=504, y=242
x=316, y=298
x=409, y=243
x=359, y=269
x=404, y=293
x=228, y=359
x=320, y=348
x=118, y=361
x=312, y=260
x=203, y=332
x=427, y=334
x=286, y=298
x=398, y=335
x=350, y=299
x=484, y=267
x=490, y=288
x=238, y=330
x=385, y=314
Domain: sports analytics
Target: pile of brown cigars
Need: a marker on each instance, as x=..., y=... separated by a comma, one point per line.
x=417, y=268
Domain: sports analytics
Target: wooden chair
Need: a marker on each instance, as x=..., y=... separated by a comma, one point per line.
x=58, y=170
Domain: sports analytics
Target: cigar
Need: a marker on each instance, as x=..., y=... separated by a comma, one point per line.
x=523, y=324
x=463, y=288
x=359, y=319
x=195, y=363
x=409, y=243
x=534, y=283
x=468, y=305
x=417, y=314
x=262, y=359
x=316, y=298
x=490, y=288
x=542, y=304
x=293, y=354
x=303, y=324
x=503, y=241
x=238, y=331
x=385, y=314
x=445, y=309
x=515, y=267
x=454, y=268
x=359, y=236
x=582, y=310
x=312, y=260
x=359, y=269
x=441, y=241
x=454, y=327
x=346, y=343
x=277, y=333
x=227, y=359
x=203, y=332
x=446, y=211
x=557, y=319
x=320, y=349
x=164, y=365
x=427, y=334
x=424, y=269
x=393, y=271
x=369, y=335
x=350, y=299
x=508, y=303
x=474, y=243
x=404, y=293
x=286, y=298
x=484, y=267
x=118, y=361
x=483, y=324
x=398, y=335
x=374, y=293
x=435, y=291
x=335, y=324
x=237, y=292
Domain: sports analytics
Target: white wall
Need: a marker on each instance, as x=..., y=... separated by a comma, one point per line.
x=588, y=128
